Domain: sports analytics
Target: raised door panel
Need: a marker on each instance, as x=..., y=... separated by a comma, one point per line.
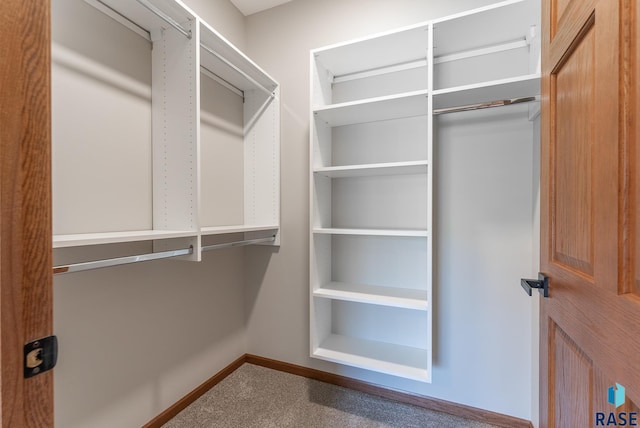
x=572, y=215
x=572, y=372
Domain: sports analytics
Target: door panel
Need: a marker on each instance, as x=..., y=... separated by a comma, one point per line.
x=573, y=382
x=565, y=17
x=572, y=160
x=589, y=221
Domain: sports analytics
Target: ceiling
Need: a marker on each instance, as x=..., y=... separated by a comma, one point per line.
x=248, y=7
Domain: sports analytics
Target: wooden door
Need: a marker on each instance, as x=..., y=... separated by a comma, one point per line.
x=25, y=208
x=590, y=224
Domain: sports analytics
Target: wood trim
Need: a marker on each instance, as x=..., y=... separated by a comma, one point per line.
x=184, y=402
x=428, y=403
x=26, y=299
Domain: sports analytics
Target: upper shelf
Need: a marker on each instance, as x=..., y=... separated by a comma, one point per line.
x=146, y=16
x=381, y=50
x=227, y=62
x=217, y=54
x=373, y=109
x=491, y=25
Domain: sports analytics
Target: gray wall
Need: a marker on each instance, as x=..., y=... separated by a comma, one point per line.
x=484, y=204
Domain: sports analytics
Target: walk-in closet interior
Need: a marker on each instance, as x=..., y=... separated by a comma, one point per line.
x=346, y=186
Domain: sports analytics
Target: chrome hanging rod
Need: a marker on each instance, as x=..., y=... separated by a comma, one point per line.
x=221, y=81
x=166, y=18
x=420, y=62
x=242, y=73
x=490, y=104
x=97, y=264
x=238, y=243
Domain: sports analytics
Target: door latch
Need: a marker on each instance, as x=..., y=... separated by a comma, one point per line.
x=541, y=284
x=40, y=356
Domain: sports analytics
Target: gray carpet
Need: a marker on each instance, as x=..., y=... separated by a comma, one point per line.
x=255, y=396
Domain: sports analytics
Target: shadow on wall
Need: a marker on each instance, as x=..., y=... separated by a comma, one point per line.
x=256, y=263
x=73, y=20
x=128, y=328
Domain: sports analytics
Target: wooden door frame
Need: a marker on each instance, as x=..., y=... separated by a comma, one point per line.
x=26, y=300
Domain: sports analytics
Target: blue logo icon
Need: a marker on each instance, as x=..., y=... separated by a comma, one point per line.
x=616, y=395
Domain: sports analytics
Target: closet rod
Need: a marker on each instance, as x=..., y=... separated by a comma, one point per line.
x=238, y=243
x=242, y=73
x=97, y=264
x=166, y=18
x=489, y=104
x=221, y=81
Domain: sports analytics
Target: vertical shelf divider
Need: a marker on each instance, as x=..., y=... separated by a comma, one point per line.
x=262, y=160
x=175, y=133
x=430, y=197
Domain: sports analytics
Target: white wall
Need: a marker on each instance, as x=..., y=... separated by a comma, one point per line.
x=482, y=318
x=133, y=339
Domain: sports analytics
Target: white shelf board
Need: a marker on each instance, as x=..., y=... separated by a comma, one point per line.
x=136, y=15
x=142, y=17
x=213, y=40
x=385, y=296
x=381, y=357
x=381, y=50
x=374, y=169
x=81, y=239
x=511, y=21
x=220, y=230
x=513, y=87
x=372, y=232
x=374, y=109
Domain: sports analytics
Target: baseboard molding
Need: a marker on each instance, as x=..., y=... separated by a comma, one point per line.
x=434, y=404
x=428, y=403
x=184, y=402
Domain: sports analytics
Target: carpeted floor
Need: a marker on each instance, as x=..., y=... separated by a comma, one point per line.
x=257, y=397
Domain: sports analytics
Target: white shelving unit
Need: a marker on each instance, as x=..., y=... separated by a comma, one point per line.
x=373, y=102
x=371, y=203
x=186, y=194
x=257, y=101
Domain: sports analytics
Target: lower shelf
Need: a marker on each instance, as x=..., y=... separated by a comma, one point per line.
x=221, y=230
x=371, y=232
x=81, y=239
x=397, y=360
x=373, y=294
